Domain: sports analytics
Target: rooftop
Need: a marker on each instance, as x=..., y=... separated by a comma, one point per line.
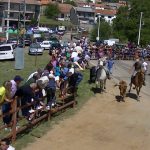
x=37, y=2
x=45, y=2
x=106, y=12
x=64, y=8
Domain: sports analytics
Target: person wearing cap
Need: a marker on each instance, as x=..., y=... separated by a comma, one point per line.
x=15, y=84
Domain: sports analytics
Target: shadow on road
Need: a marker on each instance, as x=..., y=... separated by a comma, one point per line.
x=96, y=90
x=131, y=95
x=119, y=98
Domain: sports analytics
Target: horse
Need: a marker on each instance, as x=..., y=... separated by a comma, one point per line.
x=138, y=81
x=101, y=76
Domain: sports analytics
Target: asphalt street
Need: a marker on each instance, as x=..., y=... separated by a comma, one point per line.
x=121, y=71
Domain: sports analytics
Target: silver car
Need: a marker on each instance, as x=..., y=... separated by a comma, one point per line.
x=35, y=49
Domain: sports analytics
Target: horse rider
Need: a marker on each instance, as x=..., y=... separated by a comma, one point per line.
x=102, y=63
x=137, y=67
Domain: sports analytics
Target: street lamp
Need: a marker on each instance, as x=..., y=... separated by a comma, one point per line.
x=8, y=13
x=98, y=30
x=140, y=26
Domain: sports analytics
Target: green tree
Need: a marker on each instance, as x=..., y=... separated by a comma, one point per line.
x=126, y=25
x=52, y=11
x=33, y=22
x=105, y=31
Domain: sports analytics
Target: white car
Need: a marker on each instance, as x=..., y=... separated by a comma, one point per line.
x=46, y=45
x=7, y=52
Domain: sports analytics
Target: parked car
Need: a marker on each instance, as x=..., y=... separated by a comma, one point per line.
x=7, y=52
x=46, y=45
x=36, y=34
x=81, y=29
x=52, y=30
x=13, y=41
x=27, y=41
x=61, y=28
x=60, y=32
x=35, y=49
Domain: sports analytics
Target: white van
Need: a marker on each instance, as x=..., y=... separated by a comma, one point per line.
x=7, y=51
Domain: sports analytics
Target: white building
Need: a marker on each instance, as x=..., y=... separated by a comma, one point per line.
x=106, y=14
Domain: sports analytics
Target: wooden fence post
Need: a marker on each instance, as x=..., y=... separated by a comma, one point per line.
x=14, y=119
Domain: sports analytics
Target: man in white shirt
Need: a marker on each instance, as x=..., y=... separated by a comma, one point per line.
x=74, y=54
x=5, y=145
x=144, y=68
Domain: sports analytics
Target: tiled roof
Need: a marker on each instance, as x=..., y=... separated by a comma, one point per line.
x=37, y=2
x=106, y=12
x=81, y=4
x=64, y=8
x=45, y=2
x=99, y=5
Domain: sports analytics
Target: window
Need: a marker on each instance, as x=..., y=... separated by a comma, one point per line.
x=11, y=14
x=109, y=16
x=12, y=6
x=5, y=48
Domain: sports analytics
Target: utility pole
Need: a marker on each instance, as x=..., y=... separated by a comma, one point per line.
x=18, y=25
x=24, y=22
x=140, y=26
x=8, y=14
x=98, y=31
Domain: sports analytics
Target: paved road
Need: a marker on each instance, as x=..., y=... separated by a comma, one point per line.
x=121, y=72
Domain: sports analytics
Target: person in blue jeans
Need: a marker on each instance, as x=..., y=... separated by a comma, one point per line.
x=51, y=90
x=110, y=64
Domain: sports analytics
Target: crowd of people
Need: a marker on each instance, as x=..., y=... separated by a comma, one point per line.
x=120, y=51
x=62, y=72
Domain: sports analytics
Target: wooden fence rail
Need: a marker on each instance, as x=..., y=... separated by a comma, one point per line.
x=13, y=134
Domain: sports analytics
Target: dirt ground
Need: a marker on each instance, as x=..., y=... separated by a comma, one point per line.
x=102, y=124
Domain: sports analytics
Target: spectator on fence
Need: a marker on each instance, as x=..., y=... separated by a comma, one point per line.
x=5, y=145
x=5, y=92
x=39, y=72
x=27, y=95
x=33, y=79
x=15, y=84
x=51, y=90
x=6, y=107
x=57, y=73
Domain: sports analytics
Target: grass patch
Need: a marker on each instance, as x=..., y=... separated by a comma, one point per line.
x=84, y=92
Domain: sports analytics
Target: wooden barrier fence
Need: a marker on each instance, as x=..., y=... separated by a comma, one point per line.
x=65, y=102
